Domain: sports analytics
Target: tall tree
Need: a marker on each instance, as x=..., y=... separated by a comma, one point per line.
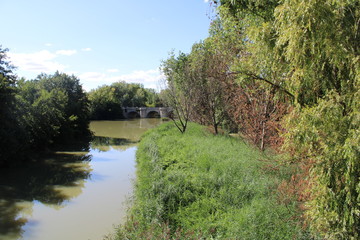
x=208, y=77
x=179, y=89
x=256, y=93
x=8, y=126
x=76, y=112
x=41, y=113
x=320, y=39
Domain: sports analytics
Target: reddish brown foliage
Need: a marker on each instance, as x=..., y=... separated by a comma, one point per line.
x=257, y=113
x=297, y=189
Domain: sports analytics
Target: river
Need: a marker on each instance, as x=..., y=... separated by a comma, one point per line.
x=78, y=195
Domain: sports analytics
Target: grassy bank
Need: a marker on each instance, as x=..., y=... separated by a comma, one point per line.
x=197, y=185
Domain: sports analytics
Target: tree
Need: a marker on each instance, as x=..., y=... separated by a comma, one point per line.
x=178, y=89
x=76, y=111
x=320, y=39
x=152, y=98
x=8, y=126
x=52, y=109
x=208, y=77
x=252, y=95
x=258, y=114
x=41, y=113
x=104, y=104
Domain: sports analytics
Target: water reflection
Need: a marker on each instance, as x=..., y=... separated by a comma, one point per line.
x=96, y=173
x=128, y=129
x=119, y=135
x=104, y=144
x=38, y=181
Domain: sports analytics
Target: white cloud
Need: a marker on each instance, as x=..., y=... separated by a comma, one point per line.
x=149, y=78
x=42, y=61
x=48, y=44
x=66, y=52
x=144, y=77
x=86, y=49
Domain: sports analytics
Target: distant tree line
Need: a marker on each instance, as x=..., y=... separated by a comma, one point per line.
x=107, y=101
x=284, y=74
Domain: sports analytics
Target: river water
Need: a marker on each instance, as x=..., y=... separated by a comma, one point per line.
x=78, y=195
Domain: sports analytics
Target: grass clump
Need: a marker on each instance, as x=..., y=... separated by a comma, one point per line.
x=200, y=186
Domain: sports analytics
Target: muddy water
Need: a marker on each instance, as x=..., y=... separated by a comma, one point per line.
x=73, y=194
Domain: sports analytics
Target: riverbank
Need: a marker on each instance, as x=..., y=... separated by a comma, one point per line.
x=197, y=185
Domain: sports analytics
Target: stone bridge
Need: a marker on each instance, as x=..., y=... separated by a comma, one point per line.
x=145, y=112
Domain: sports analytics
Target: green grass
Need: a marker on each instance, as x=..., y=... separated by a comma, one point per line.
x=200, y=186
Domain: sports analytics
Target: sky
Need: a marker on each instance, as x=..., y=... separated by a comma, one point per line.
x=100, y=41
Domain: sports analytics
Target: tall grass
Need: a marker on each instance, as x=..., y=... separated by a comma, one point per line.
x=200, y=186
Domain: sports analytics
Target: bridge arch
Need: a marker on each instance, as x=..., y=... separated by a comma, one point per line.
x=153, y=114
x=132, y=114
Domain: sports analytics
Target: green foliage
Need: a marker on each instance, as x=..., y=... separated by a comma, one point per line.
x=106, y=102
x=320, y=40
x=179, y=89
x=195, y=84
x=200, y=186
x=331, y=139
x=76, y=105
x=309, y=50
x=7, y=101
x=259, y=8
x=40, y=112
x=53, y=109
x=208, y=73
x=103, y=104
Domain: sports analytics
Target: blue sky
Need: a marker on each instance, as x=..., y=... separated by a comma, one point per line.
x=100, y=41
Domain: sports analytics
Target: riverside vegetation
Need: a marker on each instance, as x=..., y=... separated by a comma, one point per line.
x=203, y=186
x=283, y=74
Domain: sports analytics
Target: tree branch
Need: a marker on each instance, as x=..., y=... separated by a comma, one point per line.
x=255, y=77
